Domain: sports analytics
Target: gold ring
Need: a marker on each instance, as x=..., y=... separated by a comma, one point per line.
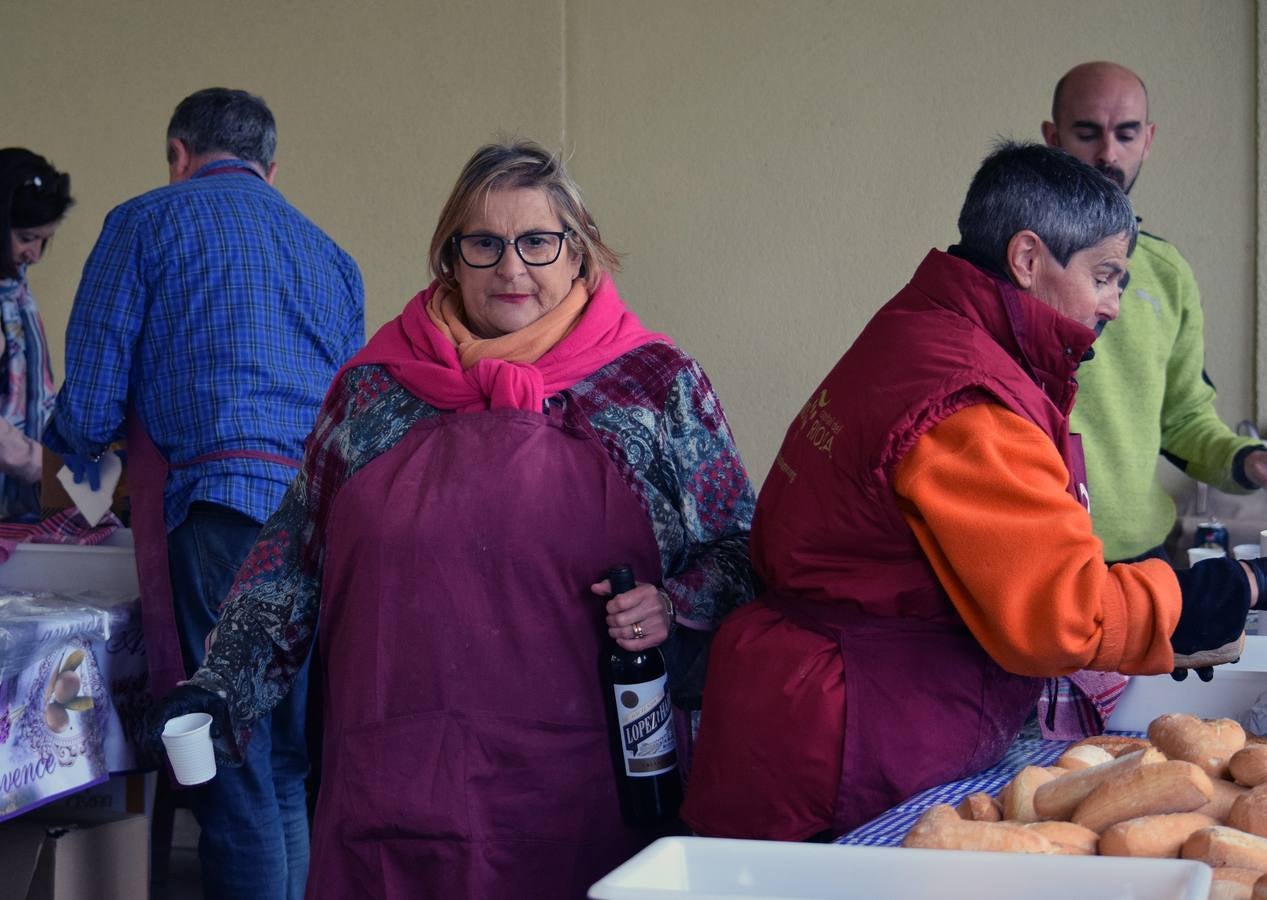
x=637, y=631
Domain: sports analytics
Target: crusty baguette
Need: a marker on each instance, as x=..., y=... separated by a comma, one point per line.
x=941, y=828
x=1220, y=845
x=1084, y=756
x=1115, y=744
x=1215, y=656
x=1209, y=743
x=980, y=807
x=1160, y=836
x=1060, y=797
x=1167, y=787
x=1225, y=794
x=1238, y=875
x=1249, y=812
x=1068, y=839
x=1017, y=796
x=1228, y=890
x=1248, y=765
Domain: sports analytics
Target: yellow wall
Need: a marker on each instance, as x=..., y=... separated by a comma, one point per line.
x=773, y=171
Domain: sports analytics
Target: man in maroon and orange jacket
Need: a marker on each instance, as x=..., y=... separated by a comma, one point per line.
x=923, y=533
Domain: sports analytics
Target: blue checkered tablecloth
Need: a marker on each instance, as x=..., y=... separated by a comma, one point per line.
x=889, y=828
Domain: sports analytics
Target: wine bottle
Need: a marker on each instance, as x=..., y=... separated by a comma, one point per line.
x=641, y=722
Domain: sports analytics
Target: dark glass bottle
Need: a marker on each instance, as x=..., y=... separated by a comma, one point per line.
x=640, y=720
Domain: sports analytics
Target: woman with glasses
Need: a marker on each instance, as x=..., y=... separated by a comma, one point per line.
x=476, y=470
x=33, y=199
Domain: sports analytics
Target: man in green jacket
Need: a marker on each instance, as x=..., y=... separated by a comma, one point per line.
x=1146, y=390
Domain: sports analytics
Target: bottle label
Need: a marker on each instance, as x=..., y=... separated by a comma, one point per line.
x=646, y=727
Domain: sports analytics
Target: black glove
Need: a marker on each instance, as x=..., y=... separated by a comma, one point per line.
x=1215, y=596
x=1259, y=568
x=1205, y=673
x=185, y=698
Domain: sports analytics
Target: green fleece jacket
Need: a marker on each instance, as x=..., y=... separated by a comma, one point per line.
x=1143, y=392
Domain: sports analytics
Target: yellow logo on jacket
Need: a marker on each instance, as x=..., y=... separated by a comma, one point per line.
x=818, y=425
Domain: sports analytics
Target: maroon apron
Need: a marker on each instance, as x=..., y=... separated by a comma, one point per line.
x=924, y=703
x=466, y=751
x=147, y=480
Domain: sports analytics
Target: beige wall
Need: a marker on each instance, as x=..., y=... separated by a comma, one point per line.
x=773, y=170
x=1260, y=358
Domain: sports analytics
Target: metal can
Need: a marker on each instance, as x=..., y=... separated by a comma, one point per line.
x=1211, y=534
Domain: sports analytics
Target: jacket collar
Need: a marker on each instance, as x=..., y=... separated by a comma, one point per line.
x=1045, y=343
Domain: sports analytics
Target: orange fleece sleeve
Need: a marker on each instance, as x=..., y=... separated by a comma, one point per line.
x=985, y=493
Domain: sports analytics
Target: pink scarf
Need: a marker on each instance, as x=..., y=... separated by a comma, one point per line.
x=425, y=360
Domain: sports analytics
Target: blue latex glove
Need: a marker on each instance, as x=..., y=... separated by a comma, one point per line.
x=84, y=467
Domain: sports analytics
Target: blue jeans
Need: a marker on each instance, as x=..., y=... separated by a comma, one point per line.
x=254, y=819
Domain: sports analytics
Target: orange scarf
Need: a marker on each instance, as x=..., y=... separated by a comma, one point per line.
x=527, y=345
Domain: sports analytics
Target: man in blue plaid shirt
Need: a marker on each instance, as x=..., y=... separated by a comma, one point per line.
x=210, y=319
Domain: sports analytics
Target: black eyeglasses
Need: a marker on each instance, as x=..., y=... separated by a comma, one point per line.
x=535, y=248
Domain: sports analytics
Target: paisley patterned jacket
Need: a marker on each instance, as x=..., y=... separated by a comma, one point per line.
x=652, y=410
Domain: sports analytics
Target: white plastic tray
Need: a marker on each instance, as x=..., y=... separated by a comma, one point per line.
x=716, y=869
x=70, y=568
x=1232, y=692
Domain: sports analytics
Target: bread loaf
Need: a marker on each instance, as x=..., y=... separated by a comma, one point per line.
x=1159, y=836
x=1209, y=743
x=1225, y=794
x=980, y=807
x=1060, y=797
x=941, y=828
x=1248, y=766
x=1220, y=845
x=1249, y=812
x=1214, y=656
x=1229, y=890
x=1068, y=839
x=1114, y=744
x=1167, y=787
x=1238, y=875
x=1084, y=756
x=1260, y=888
x=1017, y=796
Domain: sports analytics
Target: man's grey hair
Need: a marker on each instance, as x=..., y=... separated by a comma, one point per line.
x=220, y=120
x=1067, y=203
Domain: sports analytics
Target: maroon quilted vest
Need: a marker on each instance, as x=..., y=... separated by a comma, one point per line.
x=924, y=702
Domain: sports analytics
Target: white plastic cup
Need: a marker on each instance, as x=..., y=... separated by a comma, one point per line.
x=1246, y=551
x=1196, y=554
x=1262, y=543
x=188, y=742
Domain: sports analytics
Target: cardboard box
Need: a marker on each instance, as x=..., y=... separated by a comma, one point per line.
x=721, y=869
x=132, y=792
x=102, y=857
x=1231, y=694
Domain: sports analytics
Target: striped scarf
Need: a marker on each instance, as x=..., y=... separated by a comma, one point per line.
x=26, y=383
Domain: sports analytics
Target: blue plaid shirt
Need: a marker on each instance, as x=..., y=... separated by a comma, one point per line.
x=222, y=314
